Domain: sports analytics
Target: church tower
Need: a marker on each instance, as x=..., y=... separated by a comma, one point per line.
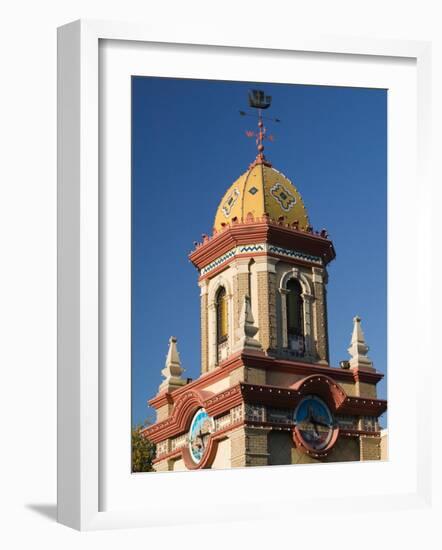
x=267, y=393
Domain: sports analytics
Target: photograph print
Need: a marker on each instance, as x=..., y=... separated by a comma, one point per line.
x=259, y=274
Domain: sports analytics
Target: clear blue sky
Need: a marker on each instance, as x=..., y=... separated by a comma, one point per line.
x=189, y=145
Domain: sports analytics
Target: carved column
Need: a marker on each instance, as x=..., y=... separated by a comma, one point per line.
x=321, y=324
x=212, y=343
x=266, y=273
x=309, y=340
x=284, y=335
x=240, y=290
x=204, y=327
x=213, y=287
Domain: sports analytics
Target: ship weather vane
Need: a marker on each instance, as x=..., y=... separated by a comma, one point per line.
x=260, y=101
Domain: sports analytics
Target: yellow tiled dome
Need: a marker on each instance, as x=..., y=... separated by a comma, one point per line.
x=260, y=191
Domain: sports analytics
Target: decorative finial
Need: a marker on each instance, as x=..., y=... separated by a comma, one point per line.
x=358, y=348
x=258, y=100
x=246, y=331
x=172, y=371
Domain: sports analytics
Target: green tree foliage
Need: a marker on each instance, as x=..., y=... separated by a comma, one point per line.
x=143, y=451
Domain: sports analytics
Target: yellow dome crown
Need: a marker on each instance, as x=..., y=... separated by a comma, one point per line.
x=262, y=191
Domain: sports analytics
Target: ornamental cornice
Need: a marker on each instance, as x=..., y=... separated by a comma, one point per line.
x=258, y=359
x=217, y=404
x=363, y=405
x=179, y=420
x=323, y=386
x=259, y=248
x=186, y=405
x=255, y=233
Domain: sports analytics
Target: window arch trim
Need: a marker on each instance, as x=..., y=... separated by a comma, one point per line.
x=307, y=298
x=218, y=282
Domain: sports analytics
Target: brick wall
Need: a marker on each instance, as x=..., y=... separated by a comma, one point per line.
x=164, y=412
x=257, y=453
x=163, y=466
x=267, y=309
x=204, y=334
x=280, y=445
x=238, y=448
x=237, y=375
x=240, y=289
x=384, y=445
x=321, y=321
x=346, y=449
x=370, y=448
x=255, y=376
x=366, y=390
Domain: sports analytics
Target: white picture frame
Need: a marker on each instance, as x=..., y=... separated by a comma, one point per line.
x=80, y=268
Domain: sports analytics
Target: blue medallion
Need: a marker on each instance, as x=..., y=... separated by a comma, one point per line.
x=200, y=429
x=314, y=422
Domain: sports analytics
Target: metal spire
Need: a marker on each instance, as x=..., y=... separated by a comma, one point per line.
x=258, y=100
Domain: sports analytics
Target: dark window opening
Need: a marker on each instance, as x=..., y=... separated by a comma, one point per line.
x=295, y=318
x=221, y=316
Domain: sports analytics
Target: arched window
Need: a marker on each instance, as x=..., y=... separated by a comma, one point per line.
x=222, y=325
x=295, y=317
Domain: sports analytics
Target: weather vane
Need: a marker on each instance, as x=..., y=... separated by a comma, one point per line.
x=258, y=100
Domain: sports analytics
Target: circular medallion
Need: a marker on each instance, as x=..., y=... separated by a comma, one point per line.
x=314, y=423
x=199, y=433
